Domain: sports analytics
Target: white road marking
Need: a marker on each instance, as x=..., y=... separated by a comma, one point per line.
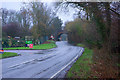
x=44, y=57
x=65, y=66
x=28, y=61
x=21, y=63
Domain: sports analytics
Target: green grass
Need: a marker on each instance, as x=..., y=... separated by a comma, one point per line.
x=81, y=45
x=8, y=54
x=42, y=46
x=81, y=68
x=51, y=41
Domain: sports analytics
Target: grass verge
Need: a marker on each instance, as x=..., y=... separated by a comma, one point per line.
x=8, y=54
x=81, y=68
x=35, y=47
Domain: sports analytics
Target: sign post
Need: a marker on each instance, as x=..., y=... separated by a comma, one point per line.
x=28, y=42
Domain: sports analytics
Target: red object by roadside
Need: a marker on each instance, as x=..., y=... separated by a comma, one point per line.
x=1, y=51
x=31, y=46
x=52, y=37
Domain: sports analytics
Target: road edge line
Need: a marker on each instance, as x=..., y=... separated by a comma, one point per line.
x=65, y=66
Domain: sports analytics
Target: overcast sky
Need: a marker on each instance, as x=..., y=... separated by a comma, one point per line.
x=63, y=16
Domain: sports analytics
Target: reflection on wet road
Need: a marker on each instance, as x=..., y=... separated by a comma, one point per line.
x=40, y=63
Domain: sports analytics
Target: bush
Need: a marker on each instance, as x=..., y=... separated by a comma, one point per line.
x=5, y=43
x=12, y=43
x=83, y=31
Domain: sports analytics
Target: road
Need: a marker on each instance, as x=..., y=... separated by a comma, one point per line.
x=40, y=63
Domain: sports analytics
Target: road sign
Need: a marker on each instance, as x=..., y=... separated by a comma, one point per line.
x=1, y=51
x=28, y=42
x=52, y=36
x=31, y=46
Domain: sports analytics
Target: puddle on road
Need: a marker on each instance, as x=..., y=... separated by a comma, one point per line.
x=38, y=53
x=45, y=52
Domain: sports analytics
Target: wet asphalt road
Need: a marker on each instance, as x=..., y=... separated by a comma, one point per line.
x=40, y=63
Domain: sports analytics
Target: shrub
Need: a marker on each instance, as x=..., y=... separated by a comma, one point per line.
x=83, y=31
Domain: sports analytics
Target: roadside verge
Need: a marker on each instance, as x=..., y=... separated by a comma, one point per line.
x=82, y=67
x=7, y=55
x=49, y=45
